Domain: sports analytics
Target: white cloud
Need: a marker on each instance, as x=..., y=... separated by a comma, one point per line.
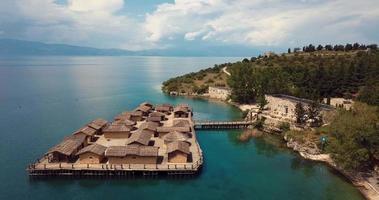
x=263, y=23
x=79, y=22
x=104, y=23
x=97, y=5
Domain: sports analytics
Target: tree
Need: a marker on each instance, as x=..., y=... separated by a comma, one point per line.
x=348, y=47
x=319, y=47
x=329, y=47
x=356, y=46
x=262, y=102
x=300, y=113
x=245, y=60
x=289, y=50
x=314, y=114
x=370, y=94
x=242, y=84
x=354, y=137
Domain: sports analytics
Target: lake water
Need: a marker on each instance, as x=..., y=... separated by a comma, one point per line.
x=43, y=99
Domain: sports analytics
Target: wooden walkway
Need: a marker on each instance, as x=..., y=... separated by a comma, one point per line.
x=222, y=124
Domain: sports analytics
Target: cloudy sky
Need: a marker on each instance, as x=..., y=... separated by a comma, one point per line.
x=152, y=24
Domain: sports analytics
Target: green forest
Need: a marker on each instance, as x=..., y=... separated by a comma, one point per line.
x=312, y=75
x=350, y=71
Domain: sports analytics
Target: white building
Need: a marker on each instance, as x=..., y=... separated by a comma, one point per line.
x=340, y=103
x=283, y=106
x=222, y=93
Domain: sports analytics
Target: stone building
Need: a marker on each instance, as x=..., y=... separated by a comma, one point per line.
x=283, y=106
x=340, y=103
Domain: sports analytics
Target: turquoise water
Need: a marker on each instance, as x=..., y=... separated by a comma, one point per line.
x=42, y=99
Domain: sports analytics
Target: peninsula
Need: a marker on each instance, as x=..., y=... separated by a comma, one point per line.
x=149, y=140
x=322, y=100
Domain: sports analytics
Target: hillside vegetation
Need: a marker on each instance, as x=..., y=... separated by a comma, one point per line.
x=312, y=74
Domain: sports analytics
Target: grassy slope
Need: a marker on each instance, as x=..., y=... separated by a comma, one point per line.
x=197, y=82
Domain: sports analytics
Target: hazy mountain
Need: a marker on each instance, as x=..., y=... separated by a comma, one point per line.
x=12, y=47
x=21, y=47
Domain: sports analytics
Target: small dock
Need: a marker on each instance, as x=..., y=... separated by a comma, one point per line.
x=206, y=125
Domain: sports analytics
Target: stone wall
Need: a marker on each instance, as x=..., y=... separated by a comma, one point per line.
x=219, y=93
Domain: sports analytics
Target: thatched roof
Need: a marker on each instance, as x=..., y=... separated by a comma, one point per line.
x=175, y=136
x=163, y=108
x=148, y=151
x=123, y=116
x=125, y=122
x=93, y=148
x=156, y=114
x=143, y=108
x=181, y=123
x=184, y=105
x=149, y=126
x=153, y=119
x=97, y=123
x=178, y=146
x=170, y=129
x=132, y=149
x=86, y=130
x=121, y=128
x=181, y=109
x=69, y=144
x=136, y=113
x=141, y=137
x=147, y=104
x=116, y=151
x=139, y=150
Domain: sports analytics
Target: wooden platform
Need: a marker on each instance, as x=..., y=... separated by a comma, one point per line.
x=67, y=169
x=222, y=124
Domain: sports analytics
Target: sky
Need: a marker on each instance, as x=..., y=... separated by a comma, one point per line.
x=197, y=24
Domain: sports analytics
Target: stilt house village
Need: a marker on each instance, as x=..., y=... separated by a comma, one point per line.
x=148, y=139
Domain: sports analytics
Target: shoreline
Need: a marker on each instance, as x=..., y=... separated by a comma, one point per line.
x=364, y=187
x=357, y=180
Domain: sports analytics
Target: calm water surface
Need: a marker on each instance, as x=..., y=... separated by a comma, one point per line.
x=42, y=99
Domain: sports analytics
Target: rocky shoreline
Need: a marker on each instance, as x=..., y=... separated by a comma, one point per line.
x=360, y=180
x=311, y=152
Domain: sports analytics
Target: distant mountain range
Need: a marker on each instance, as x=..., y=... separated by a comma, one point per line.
x=13, y=47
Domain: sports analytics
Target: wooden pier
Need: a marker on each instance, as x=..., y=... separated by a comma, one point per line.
x=39, y=169
x=199, y=125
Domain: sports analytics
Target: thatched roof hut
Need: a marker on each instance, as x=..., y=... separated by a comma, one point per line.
x=154, y=119
x=178, y=146
x=141, y=137
x=116, y=151
x=93, y=148
x=86, y=130
x=122, y=116
x=152, y=126
x=143, y=108
x=117, y=128
x=97, y=124
x=135, y=150
x=148, y=151
x=125, y=122
x=147, y=104
x=181, y=123
x=164, y=108
x=175, y=136
x=69, y=145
